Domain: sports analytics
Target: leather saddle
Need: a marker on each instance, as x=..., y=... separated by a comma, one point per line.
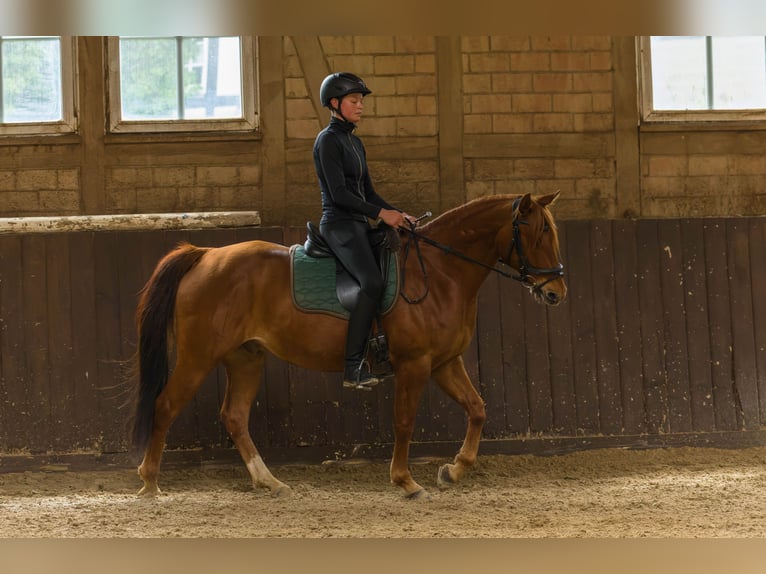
x=385, y=244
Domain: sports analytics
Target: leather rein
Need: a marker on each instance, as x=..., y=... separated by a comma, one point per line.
x=525, y=272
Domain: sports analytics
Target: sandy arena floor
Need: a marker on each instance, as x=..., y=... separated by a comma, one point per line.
x=615, y=493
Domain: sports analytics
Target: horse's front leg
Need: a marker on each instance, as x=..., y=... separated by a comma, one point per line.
x=411, y=379
x=454, y=380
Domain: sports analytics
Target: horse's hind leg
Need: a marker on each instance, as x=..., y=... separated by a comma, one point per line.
x=182, y=386
x=244, y=367
x=454, y=380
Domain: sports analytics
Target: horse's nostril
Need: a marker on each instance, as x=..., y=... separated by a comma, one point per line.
x=552, y=297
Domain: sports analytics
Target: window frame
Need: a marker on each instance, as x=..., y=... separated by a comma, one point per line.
x=651, y=116
x=68, y=123
x=248, y=123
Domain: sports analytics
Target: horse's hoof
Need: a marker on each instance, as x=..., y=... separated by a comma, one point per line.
x=444, y=478
x=421, y=494
x=148, y=492
x=283, y=491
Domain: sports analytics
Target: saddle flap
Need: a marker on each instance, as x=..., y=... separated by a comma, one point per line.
x=346, y=287
x=319, y=285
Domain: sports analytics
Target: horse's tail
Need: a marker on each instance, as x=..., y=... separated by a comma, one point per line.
x=154, y=321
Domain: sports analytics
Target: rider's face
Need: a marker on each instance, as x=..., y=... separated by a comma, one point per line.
x=352, y=106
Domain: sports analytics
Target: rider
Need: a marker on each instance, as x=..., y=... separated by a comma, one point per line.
x=349, y=201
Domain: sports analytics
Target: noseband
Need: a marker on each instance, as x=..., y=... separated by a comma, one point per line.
x=525, y=272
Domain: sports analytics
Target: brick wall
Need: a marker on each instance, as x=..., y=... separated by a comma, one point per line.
x=530, y=85
x=536, y=114
x=181, y=188
x=39, y=191
x=691, y=174
x=547, y=86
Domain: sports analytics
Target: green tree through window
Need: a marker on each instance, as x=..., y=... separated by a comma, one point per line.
x=180, y=78
x=30, y=80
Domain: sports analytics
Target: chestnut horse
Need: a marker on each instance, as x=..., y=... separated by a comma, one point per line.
x=232, y=304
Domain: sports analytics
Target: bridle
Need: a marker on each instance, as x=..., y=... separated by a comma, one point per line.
x=525, y=269
x=525, y=274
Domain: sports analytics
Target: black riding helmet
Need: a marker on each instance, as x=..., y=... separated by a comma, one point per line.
x=341, y=84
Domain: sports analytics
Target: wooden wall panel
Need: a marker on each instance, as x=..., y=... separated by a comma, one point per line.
x=84, y=427
x=516, y=407
x=697, y=325
x=727, y=411
x=745, y=384
x=628, y=334
x=35, y=336
x=538, y=365
x=60, y=324
x=758, y=279
x=499, y=392
x=109, y=373
x=580, y=303
x=662, y=334
x=674, y=328
x=604, y=317
x=561, y=361
x=650, y=324
x=14, y=427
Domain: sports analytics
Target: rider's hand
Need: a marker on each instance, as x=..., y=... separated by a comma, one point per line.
x=395, y=219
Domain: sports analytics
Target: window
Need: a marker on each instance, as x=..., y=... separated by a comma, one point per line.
x=703, y=77
x=181, y=84
x=36, y=85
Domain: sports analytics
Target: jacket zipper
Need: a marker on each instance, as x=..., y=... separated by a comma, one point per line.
x=361, y=167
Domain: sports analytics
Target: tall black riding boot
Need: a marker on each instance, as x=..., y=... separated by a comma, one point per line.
x=357, y=372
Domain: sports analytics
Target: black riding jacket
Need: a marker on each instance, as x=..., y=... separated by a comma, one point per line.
x=341, y=165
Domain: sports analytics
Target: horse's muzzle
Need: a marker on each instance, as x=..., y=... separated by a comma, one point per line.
x=552, y=298
x=544, y=293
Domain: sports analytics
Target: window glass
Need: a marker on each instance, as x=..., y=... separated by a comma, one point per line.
x=739, y=79
x=180, y=78
x=707, y=73
x=679, y=73
x=31, y=80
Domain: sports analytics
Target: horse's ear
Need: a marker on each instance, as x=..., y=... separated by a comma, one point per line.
x=548, y=199
x=524, y=204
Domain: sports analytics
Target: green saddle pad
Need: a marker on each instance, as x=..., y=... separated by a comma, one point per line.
x=312, y=283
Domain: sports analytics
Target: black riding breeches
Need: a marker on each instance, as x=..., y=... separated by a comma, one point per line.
x=350, y=244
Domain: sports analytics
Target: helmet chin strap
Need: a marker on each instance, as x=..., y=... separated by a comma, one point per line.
x=337, y=110
x=340, y=115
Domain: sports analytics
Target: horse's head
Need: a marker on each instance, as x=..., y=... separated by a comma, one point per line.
x=530, y=245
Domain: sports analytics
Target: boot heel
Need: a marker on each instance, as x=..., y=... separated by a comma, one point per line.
x=360, y=378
